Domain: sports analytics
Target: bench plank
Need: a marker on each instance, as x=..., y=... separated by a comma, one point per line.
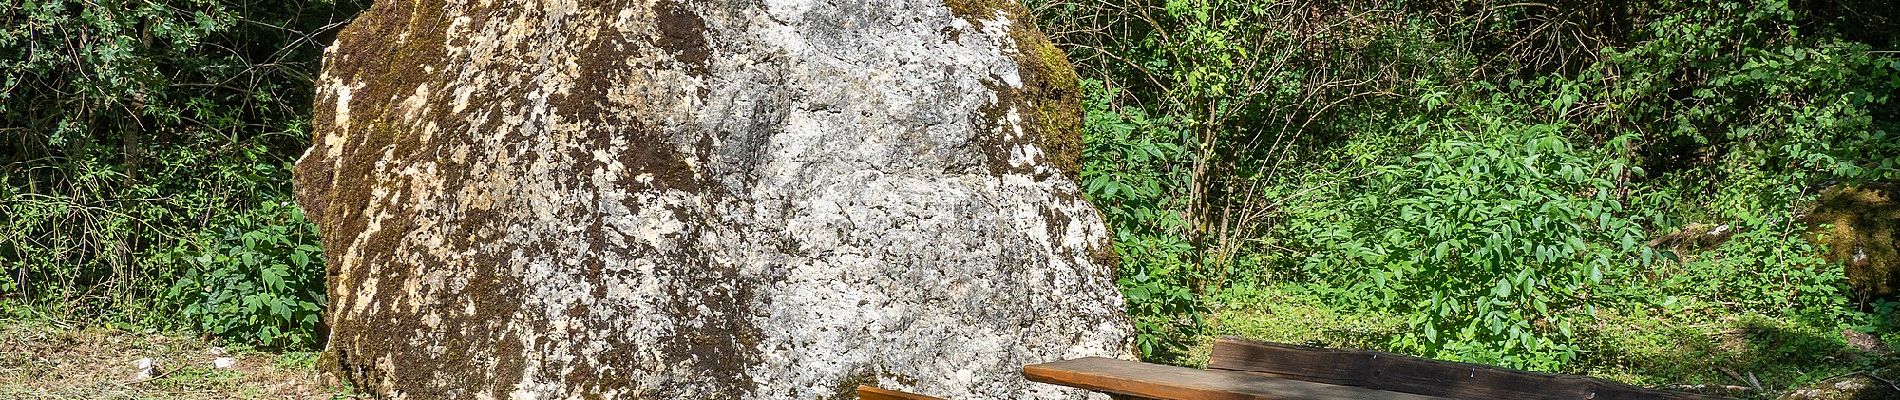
x=868, y=392
x=1167, y=382
x=1399, y=373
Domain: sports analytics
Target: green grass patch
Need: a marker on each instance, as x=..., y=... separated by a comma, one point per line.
x=1636, y=346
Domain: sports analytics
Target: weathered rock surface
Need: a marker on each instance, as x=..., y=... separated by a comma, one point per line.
x=1850, y=387
x=667, y=199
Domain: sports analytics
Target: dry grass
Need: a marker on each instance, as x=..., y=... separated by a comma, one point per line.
x=52, y=360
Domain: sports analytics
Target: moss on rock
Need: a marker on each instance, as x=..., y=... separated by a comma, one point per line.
x=1051, y=90
x=1860, y=226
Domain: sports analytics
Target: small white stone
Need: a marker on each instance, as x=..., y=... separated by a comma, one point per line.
x=146, y=369
x=224, y=362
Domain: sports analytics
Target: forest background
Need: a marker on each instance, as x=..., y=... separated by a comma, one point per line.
x=1657, y=192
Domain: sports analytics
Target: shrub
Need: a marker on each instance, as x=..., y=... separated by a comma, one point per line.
x=260, y=282
x=139, y=139
x=1134, y=172
x=1491, y=170
x=1495, y=236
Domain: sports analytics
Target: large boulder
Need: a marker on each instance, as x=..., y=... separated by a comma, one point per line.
x=534, y=199
x=1859, y=226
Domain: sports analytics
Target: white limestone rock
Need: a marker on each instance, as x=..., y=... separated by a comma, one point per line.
x=146, y=369
x=547, y=199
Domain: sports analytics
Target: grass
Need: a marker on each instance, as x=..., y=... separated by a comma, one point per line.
x=1685, y=349
x=1274, y=315
x=49, y=359
x=1659, y=350
x=45, y=358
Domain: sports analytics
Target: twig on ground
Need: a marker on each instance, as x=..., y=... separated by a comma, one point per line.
x=1889, y=383
x=1738, y=377
x=1707, y=388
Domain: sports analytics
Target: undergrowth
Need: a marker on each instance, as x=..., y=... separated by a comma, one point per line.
x=144, y=163
x=1618, y=189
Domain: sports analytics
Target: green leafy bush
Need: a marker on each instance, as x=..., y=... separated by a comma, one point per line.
x=1134, y=172
x=1495, y=238
x=261, y=281
x=136, y=136
x=1766, y=266
x=1199, y=106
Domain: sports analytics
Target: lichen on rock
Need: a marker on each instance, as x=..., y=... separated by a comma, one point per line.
x=1859, y=386
x=697, y=199
x=1047, y=87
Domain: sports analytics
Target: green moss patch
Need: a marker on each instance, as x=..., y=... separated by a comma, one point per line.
x=1051, y=92
x=1860, y=227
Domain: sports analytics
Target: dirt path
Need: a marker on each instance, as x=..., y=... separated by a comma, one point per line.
x=49, y=360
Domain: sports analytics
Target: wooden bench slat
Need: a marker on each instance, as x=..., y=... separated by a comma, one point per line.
x=868, y=392
x=1166, y=382
x=1400, y=373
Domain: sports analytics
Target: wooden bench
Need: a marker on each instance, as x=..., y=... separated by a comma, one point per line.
x=1156, y=381
x=868, y=392
x=1241, y=369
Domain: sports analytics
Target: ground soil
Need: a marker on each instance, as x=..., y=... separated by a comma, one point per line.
x=51, y=360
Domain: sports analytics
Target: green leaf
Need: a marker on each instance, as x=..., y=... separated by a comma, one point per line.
x=274, y=277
